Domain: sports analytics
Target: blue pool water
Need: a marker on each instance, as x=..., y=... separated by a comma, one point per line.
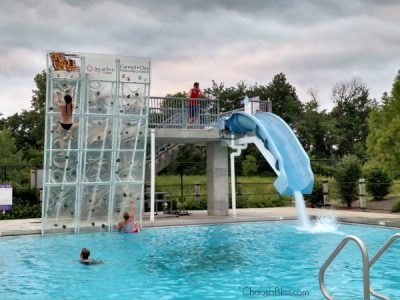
x=238, y=261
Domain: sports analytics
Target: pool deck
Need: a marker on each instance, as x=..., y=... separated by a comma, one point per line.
x=33, y=226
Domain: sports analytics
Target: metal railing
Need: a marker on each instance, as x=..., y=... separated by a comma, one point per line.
x=171, y=112
x=367, y=264
x=378, y=254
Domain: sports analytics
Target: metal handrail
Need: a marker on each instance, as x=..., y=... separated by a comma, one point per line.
x=388, y=243
x=366, y=266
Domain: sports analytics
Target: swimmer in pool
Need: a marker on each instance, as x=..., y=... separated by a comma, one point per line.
x=84, y=259
x=128, y=225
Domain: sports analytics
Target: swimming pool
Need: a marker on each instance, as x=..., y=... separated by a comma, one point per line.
x=234, y=261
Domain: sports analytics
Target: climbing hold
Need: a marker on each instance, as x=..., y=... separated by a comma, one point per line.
x=93, y=224
x=64, y=226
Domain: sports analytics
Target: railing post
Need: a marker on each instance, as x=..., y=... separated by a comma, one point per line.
x=268, y=106
x=197, y=193
x=325, y=191
x=361, y=196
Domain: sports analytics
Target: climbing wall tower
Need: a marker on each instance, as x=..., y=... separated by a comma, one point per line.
x=100, y=173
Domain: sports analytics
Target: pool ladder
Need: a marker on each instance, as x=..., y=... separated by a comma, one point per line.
x=367, y=264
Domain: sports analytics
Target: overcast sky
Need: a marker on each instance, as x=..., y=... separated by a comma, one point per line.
x=315, y=43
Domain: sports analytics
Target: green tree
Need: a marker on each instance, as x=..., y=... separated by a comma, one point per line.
x=353, y=106
x=348, y=172
x=229, y=98
x=249, y=166
x=377, y=181
x=285, y=102
x=316, y=130
x=191, y=161
x=383, y=142
x=28, y=127
x=10, y=159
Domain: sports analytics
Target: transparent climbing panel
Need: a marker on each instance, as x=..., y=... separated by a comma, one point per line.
x=94, y=169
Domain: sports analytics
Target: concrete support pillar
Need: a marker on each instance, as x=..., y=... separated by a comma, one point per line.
x=362, y=195
x=325, y=189
x=217, y=182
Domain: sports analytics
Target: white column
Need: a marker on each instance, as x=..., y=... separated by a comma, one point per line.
x=152, y=172
x=233, y=184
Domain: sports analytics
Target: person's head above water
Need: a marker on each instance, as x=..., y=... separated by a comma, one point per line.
x=126, y=216
x=85, y=253
x=67, y=98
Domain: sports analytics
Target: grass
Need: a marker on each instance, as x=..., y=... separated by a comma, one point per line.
x=250, y=191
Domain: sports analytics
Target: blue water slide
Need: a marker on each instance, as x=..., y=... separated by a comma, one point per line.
x=292, y=163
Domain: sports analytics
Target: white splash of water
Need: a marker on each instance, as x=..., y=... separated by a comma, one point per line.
x=324, y=224
x=301, y=211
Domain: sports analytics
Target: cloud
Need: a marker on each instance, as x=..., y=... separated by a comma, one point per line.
x=315, y=43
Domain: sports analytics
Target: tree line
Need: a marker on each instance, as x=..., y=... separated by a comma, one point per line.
x=356, y=125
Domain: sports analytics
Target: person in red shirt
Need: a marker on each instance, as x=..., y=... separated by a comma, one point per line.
x=193, y=103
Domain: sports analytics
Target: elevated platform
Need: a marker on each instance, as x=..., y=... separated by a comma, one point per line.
x=185, y=136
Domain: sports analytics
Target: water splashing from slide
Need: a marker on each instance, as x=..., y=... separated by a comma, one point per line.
x=301, y=211
x=326, y=223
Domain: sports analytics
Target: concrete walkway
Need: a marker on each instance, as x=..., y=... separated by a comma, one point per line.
x=33, y=226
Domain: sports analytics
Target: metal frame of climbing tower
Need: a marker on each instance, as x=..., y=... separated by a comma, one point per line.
x=102, y=171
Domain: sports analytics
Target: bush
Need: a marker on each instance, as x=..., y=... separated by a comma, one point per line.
x=396, y=206
x=29, y=195
x=377, y=182
x=250, y=166
x=348, y=171
x=259, y=201
x=23, y=210
x=317, y=196
x=325, y=168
